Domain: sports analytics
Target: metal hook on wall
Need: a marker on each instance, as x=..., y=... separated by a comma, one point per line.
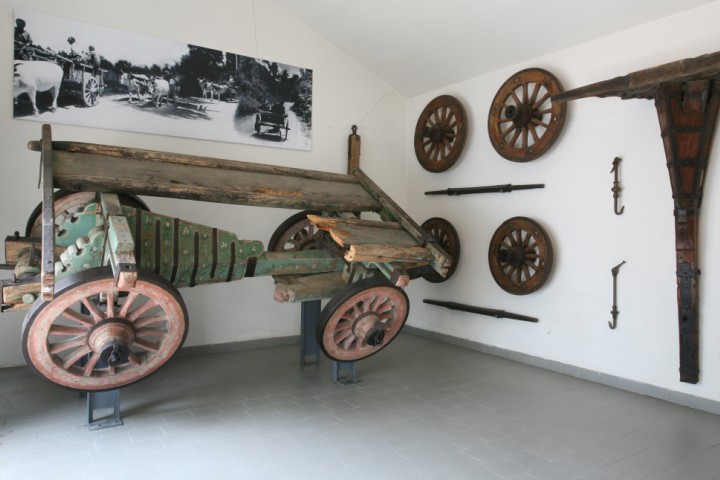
x=616, y=185
x=614, y=312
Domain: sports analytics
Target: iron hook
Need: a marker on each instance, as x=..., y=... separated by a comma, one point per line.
x=614, y=312
x=616, y=185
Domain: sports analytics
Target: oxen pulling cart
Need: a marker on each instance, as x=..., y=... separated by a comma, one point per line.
x=99, y=272
x=81, y=80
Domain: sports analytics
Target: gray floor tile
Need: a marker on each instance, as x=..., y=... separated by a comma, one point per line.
x=422, y=410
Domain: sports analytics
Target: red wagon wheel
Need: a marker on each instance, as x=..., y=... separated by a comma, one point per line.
x=447, y=237
x=120, y=337
x=440, y=133
x=523, y=122
x=520, y=256
x=362, y=320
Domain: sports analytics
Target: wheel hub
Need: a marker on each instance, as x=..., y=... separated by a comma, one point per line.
x=520, y=114
x=111, y=339
x=368, y=327
x=434, y=133
x=515, y=256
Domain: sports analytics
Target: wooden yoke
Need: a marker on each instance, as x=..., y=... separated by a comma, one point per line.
x=687, y=99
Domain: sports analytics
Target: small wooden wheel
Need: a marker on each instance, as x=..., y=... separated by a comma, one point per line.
x=520, y=256
x=295, y=234
x=65, y=203
x=440, y=133
x=122, y=336
x=91, y=92
x=447, y=237
x=362, y=320
x=523, y=122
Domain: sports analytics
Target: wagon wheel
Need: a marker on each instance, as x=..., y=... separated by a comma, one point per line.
x=447, y=237
x=115, y=341
x=523, y=122
x=520, y=256
x=362, y=320
x=91, y=92
x=257, y=124
x=66, y=203
x=440, y=133
x=298, y=233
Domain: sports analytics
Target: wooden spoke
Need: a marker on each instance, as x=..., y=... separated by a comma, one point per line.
x=520, y=256
x=442, y=126
x=110, y=349
x=521, y=111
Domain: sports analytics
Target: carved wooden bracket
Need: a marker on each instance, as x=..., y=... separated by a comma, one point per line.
x=687, y=99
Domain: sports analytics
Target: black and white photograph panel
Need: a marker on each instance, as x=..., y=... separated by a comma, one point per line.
x=72, y=72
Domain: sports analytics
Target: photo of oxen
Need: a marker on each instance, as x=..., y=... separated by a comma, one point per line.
x=71, y=72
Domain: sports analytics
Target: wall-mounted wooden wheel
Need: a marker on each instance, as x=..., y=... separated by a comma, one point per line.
x=520, y=256
x=362, y=320
x=440, y=133
x=447, y=237
x=120, y=337
x=523, y=122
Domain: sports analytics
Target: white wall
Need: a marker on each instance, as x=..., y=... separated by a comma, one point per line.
x=576, y=208
x=344, y=93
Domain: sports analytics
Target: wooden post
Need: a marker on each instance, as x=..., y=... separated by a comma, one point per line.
x=353, y=151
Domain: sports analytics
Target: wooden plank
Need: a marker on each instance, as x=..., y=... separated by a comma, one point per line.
x=384, y=253
x=92, y=172
x=347, y=235
x=292, y=288
x=12, y=295
x=644, y=83
x=154, y=156
x=332, y=222
x=47, y=269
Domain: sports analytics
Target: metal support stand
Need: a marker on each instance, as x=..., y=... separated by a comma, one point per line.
x=351, y=372
x=309, y=348
x=103, y=401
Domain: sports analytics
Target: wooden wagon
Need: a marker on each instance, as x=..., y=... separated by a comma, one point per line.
x=272, y=122
x=99, y=272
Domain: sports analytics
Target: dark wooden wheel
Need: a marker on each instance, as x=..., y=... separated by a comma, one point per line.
x=520, y=256
x=447, y=237
x=523, y=122
x=65, y=203
x=298, y=233
x=91, y=92
x=121, y=336
x=440, y=133
x=362, y=320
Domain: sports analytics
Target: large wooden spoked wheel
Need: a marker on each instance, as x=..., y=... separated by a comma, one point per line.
x=523, y=122
x=121, y=336
x=66, y=203
x=91, y=92
x=362, y=320
x=447, y=238
x=440, y=133
x=520, y=256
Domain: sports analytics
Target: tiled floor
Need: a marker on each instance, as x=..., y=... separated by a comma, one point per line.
x=423, y=410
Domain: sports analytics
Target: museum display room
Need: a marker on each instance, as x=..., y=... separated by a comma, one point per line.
x=290, y=239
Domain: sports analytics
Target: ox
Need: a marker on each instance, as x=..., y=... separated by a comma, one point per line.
x=159, y=88
x=210, y=90
x=33, y=77
x=138, y=84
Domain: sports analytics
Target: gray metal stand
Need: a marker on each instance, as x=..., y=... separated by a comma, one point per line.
x=309, y=348
x=103, y=401
x=343, y=372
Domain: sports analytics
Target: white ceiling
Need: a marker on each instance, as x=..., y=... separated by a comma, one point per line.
x=422, y=45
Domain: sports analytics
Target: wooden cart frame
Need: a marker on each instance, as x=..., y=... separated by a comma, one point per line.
x=122, y=264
